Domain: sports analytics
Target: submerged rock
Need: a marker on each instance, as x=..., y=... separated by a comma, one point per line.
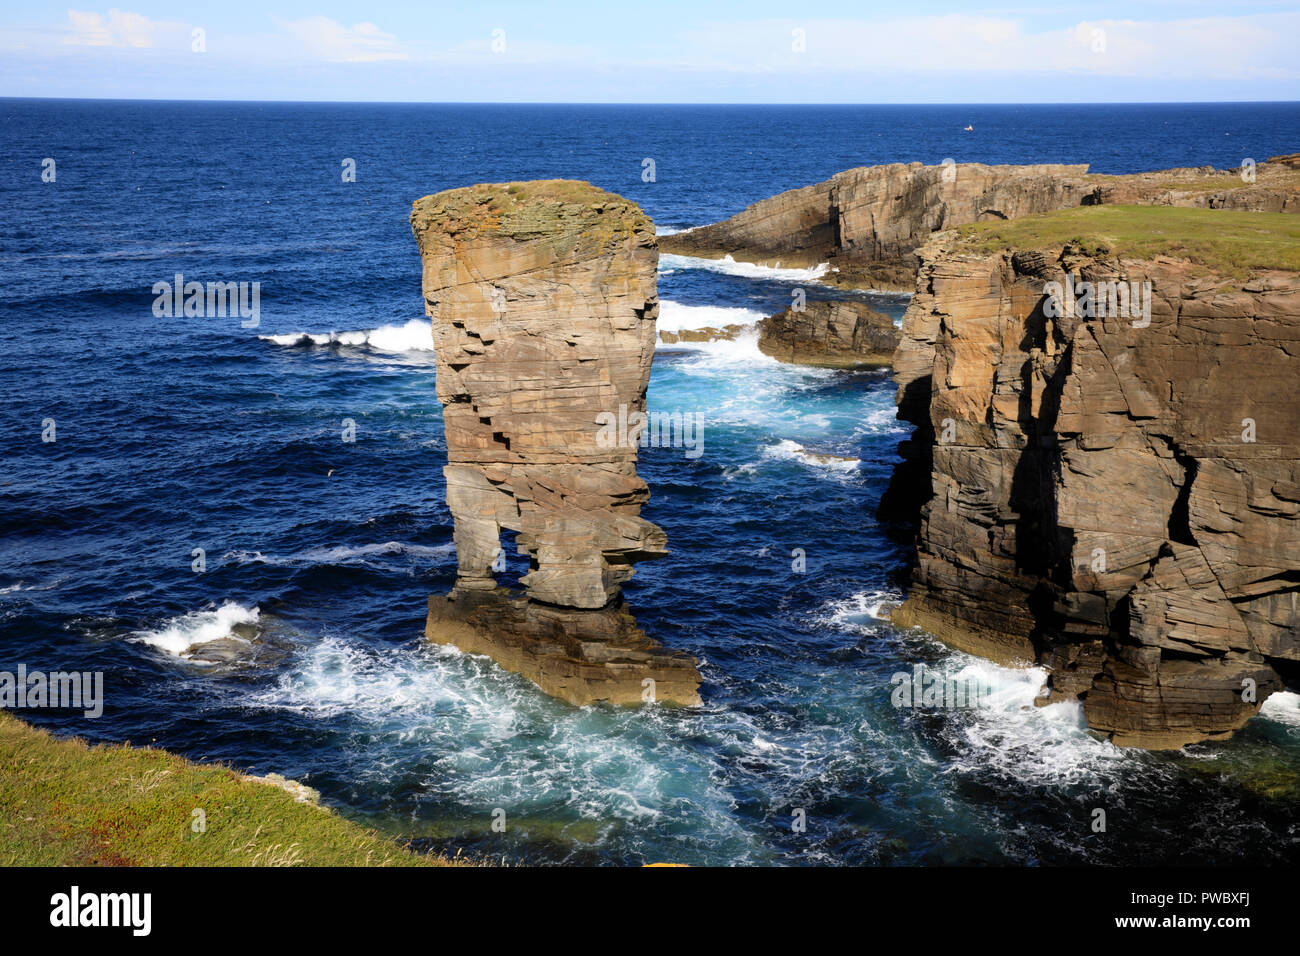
x=830, y=334
x=543, y=298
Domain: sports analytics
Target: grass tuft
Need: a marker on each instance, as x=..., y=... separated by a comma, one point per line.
x=64, y=803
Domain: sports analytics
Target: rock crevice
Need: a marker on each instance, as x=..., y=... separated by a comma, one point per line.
x=1110, y=498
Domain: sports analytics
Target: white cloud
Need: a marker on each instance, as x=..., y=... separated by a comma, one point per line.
x=1226, y=47
x=115, y=28
x=328, y=39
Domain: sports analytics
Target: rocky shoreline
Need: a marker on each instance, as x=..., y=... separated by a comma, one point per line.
x=1112, y=496
x=868, y=222
x=1105, y=483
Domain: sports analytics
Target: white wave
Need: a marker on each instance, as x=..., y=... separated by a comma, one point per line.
x=787, y=450
x=1009, y=735
x=676, y=316
x=20, y=586
x=415, y=336
x=182, y=635
x=1283, y=707
x=747, y=270
x=670, y=230
x=858, y=613
x=497, y=739
x=344, y=554
x=738, y=354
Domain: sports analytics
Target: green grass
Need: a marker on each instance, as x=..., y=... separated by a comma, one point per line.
x=1228, y=243
x=64, y=803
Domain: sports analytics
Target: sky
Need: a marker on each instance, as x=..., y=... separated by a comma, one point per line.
x=653, y=51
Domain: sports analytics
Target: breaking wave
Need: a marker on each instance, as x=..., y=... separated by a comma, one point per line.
x=748, y=270
x=182, y=636
x=415, y=336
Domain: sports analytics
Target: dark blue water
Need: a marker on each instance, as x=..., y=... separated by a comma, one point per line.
x=174, y=434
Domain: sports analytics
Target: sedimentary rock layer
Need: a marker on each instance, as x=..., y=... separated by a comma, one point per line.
x=1119, y=501
x=543, y=299
x=831, y=334
x=868, y=222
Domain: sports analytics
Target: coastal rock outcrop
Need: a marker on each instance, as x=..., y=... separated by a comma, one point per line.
x=1111, y=491
x=543, y=299
x=830, y=334
x=868, y=222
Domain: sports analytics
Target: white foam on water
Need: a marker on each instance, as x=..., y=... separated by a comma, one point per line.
x=490, y=738
x=676, y=316
x=344, y=554
x=882, y=421
x=1008, y=735
x=787, y=450
x=1282, y=707
x=748, y=270
x=858, y=613
x=415, y=336
x=740, y=354
x=21, y=586
x=180, y=635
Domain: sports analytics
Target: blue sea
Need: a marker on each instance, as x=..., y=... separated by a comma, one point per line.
x=190, y=442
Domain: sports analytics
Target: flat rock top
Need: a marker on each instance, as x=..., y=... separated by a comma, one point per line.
x=529, y=210
x=1229, y=243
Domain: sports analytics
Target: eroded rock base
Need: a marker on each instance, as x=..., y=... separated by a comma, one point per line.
x=580, y=656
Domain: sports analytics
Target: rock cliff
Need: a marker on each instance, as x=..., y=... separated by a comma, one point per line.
x=868, y=222
x=543, y=299
x=831, y=334
x=1111, y=490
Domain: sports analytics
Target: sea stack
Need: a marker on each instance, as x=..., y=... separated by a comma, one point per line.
x=544, y=300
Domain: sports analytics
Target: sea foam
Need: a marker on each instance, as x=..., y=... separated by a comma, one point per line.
x=415, y=336
x=748, y=270
x=183, y=634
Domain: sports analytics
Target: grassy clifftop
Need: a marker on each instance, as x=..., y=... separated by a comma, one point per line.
x=63, y=803
x=1226, y=242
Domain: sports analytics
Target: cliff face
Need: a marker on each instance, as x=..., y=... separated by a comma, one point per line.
x=1115, y=498
x=831, y=334
x=868, y=222
x=543, y=299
